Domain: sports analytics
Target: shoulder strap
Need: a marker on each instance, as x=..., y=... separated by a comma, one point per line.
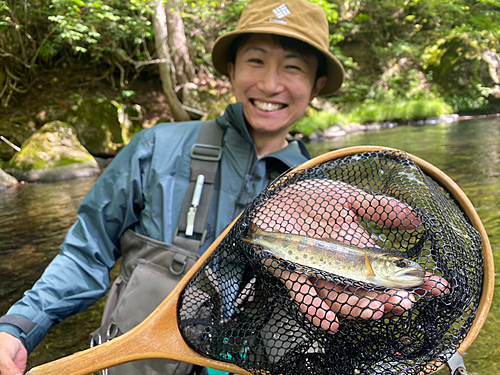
x=205, y=156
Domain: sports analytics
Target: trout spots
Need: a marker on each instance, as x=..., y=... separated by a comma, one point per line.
x=287, y=241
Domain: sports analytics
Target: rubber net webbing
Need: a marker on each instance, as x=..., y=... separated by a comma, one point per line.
x=279, y=295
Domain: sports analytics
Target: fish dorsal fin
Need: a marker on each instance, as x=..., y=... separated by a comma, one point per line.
x=369, y=269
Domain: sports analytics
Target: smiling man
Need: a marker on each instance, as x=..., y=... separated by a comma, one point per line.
x=275, y=86
x=278, y=59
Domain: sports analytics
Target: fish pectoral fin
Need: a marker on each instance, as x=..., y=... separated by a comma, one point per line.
x=369, y=269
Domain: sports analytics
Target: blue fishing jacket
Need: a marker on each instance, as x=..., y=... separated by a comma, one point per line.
x=143, y=189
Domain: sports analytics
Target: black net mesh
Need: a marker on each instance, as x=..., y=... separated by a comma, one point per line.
x=279, y=295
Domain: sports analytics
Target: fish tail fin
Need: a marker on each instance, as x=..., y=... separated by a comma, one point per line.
x=369, y=268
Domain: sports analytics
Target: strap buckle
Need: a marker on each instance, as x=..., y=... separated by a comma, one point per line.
x=201, y=151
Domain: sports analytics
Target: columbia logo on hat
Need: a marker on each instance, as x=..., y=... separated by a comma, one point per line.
x=280, y=12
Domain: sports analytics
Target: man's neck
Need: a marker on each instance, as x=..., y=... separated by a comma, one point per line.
x=267, y=144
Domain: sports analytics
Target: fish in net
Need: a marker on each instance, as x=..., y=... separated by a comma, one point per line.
x=359, y=265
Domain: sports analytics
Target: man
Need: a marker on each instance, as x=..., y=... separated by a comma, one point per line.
x=278, y=60
x=144, y=186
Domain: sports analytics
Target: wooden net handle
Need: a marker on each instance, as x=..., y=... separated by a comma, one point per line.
x=158, y=336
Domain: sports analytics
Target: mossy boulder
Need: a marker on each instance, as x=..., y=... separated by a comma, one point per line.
x=6, y=180
x=97, y=125
x=52, y=153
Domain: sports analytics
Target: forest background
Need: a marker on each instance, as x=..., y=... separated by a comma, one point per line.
x=405, y=59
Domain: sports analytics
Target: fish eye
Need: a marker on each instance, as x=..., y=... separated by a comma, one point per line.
x=402, y=263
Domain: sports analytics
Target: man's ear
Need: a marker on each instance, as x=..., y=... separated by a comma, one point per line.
x=230, y=70
x=320, y=83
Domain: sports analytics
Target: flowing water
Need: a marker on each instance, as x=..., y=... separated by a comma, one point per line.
x=34, y=219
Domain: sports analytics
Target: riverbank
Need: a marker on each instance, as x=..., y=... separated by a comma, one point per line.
x=331, y=133
x=338, y=131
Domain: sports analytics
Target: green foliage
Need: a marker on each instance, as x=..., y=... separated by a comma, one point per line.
x=317, y=121
x=369, y=112
x=447, y=46
x=393, y=51
x=398, y=110
x=100, y=27
x=468, y=104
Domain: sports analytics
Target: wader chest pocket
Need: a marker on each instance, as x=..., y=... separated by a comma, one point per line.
x=148, y=286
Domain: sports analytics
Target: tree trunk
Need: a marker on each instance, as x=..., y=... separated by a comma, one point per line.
x=182, y=67
x=165, y=66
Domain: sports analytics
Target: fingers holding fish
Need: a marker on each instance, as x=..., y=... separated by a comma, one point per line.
x=350, y=302
x=396, y=302
x=434, y=284
x=329, y=209
x=323, y=301
x=316, y=310
x=385, y=210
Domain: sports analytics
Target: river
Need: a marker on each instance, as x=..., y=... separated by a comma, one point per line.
x=34, y=219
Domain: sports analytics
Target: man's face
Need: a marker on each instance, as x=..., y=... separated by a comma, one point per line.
x=274, y=85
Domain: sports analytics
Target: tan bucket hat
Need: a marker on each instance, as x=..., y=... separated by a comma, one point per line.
x=298, y=19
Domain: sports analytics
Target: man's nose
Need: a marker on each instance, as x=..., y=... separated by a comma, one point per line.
x=271, y=81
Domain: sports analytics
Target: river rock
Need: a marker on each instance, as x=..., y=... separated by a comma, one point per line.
x=6, y=180
x=97, y=125
x=53, y=153
x=334, y=132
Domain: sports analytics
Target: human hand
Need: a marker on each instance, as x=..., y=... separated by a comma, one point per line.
x=332, y=210
x=13, y=355
x=324, y=301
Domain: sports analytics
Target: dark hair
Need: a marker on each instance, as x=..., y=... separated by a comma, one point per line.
x=288, y=44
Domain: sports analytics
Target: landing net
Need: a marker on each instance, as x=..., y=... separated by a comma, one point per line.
x=271, y=315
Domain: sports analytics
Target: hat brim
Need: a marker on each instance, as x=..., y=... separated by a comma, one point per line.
x=335, y=70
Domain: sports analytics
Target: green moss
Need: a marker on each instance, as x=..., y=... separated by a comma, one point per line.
x=68, y=161
x=96, y=123
x=54, y=145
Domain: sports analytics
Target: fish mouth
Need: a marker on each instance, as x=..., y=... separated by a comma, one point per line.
x=414, y=273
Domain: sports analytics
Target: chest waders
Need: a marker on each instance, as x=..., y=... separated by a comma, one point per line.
x=150, y=269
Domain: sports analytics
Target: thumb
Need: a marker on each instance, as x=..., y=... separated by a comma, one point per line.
x=7, y=365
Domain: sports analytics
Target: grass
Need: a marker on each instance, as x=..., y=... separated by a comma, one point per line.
x=399, y=110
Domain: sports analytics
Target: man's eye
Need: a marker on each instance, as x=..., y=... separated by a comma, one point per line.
x=256, y=61
x=294, y=67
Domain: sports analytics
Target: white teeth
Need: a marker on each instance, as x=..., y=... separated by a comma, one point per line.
x=267, y=106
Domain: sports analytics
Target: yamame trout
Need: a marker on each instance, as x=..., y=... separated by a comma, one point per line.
x=365, y=265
